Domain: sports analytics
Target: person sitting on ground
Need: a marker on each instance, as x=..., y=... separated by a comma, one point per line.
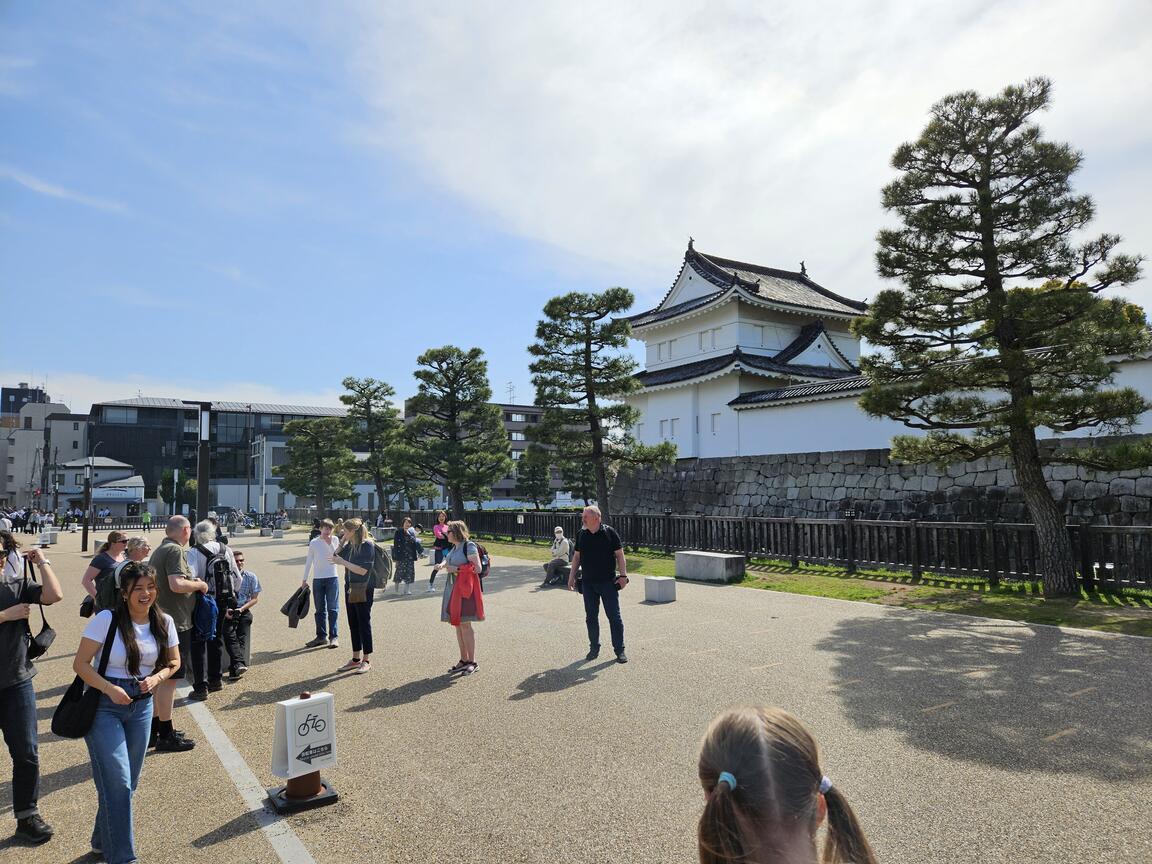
x=239, y=620
x=556, y=570
x=765, y=795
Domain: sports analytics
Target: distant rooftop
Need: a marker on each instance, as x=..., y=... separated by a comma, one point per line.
x=240, y=407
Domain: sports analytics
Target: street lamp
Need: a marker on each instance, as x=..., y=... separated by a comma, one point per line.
x=203, y=467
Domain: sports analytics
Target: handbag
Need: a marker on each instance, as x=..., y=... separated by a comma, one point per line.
x=42, y=641
x=87, y=607
x=77, y=709
x=358, y=591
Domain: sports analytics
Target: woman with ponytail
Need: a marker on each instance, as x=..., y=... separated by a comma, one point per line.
x=144, y=653
x=766, y=795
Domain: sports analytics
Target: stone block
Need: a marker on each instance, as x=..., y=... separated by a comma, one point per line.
x=659, y=589
x=237, y=531
x=265, y=532
x=1144, y=487
x=963, y=479
x=1108, y=504
x=986, y=478
x=1074, y=489
x=277, y=533
x=1095, y=489
x=1056, y=489
x=709, y=566
x=929, y=483
x=1005, y=477
x=1063, y=472
x=1122, y=486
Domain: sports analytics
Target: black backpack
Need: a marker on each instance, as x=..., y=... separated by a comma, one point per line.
x=218, y=574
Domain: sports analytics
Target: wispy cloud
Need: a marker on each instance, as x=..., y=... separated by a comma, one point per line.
x=765, y=130
x=52, y=190
x=80, y=391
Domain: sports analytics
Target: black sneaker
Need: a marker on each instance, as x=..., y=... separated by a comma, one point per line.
x=215, y=686
x=199, y=694
x=34, y=829
x=592, y=655
x=174, y=743
x=621, y=657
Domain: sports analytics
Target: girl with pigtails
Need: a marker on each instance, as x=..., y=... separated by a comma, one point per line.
x=766, y=795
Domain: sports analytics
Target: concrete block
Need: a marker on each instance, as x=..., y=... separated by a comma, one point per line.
x=265, y=532
x=238, y=531
x=709, y=566
x=277, y=533
x=378, y=535
x=659, y=589
x=49, y=538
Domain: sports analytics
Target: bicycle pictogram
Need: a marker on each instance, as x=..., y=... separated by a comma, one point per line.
x=311, y=723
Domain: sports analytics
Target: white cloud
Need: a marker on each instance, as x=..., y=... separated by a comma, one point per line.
x=80, y=391
x=53, y=191
x=614, y=131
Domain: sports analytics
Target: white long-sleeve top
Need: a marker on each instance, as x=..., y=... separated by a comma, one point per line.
x=317, y=563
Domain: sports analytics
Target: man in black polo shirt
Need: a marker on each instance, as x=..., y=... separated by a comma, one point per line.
x=601, y=555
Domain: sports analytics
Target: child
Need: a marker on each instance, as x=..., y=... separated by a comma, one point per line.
x=766, y=795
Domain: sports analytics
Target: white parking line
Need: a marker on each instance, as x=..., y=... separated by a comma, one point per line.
x=285, y=842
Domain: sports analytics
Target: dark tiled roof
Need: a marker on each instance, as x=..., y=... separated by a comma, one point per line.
x=841, y=386
x=757, y=362
x=809, y=334
x=654, y=315
x=780, y=286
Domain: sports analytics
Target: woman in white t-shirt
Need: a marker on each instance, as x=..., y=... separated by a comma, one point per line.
x=143, y=654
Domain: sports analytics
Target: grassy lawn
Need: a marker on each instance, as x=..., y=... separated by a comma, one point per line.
x=1130, y=612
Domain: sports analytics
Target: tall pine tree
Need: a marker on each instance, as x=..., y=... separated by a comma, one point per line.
x=320, y=464
x=534, y=475
x=456, y=436
x=1000, y=329
x=581, y=376
x=374, y=425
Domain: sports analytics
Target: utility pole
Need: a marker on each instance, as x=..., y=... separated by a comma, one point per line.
x=248, y=463
x=87, y=504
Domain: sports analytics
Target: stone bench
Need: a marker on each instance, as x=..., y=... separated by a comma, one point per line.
x=709, y=566
x=277, y=533
x=659, y=589
x=380, y=535
x=265, y=532
x=236, y=530
x=49, y=538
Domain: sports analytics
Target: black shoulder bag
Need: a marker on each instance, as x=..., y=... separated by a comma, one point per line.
x=77, y=709
x=42, y=641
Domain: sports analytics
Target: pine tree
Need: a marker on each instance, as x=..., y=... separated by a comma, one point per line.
x=581, y=376
x=373, y=424
x=1000, y=329
x=456, y=435
x=577, y=477
x=320, y=464
x=534, y=474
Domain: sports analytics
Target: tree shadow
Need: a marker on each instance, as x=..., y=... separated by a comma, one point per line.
x=997, y=693
x=241, y=825
x=73, y=775
x=406, y=694
x=556, y=680
x=250, y=698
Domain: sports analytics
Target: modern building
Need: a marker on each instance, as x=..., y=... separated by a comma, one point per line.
x=743, y=360
x=12, y=399
x=23, y=455
x=115, y=485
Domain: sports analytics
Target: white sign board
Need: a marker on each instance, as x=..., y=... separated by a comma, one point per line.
x=305, y=739
x=519, y=518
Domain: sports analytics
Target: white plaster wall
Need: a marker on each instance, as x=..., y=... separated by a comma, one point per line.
x=834, y=424
x=679, y=403
x=689, y=285
x=713, y=398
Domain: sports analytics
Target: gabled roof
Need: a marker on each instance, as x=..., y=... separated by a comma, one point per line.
x=842, y=387
x=96, y=462
x=783, y=287
x=134, y=480
x=809, y=333
x=752, y=362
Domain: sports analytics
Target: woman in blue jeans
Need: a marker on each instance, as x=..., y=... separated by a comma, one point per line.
x=144, y=641
x=356, y=554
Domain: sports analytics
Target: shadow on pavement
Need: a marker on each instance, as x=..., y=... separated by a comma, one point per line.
x=999, y=694
x=54, y=782
x=242, y=824
x=405, y=694
x=248, y=698
x=555, y=680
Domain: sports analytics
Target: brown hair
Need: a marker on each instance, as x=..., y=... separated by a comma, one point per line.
x=9, y=542
x=440, y=513
x=130, y=574
x=359, y=532
x=327, y=523
x=457, y=527
x=113, y=537
x=776, y=766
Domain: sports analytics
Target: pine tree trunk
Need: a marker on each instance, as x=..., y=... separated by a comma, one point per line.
x=457, y=502
x=1053, y=544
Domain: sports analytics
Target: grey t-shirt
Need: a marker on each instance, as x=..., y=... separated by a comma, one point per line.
x=169, y=559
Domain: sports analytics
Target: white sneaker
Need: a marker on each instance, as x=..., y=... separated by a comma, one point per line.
x=407, y=587
x=333, y=643
x=431, y=589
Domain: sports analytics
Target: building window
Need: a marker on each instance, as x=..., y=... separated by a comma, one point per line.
x=516, y=436
x=663, y=430
x=75, y=445
x=75, y=427
x=672, y=427
x=758, y=335
x=516, y=454
x=709, y=338
x=660, y=351
x=27, y=422
x=122, y=416
x=11, y=460
x=518, y=418
x=79, y=479
x=715, y=424
x=59, y=479
x=11, y=478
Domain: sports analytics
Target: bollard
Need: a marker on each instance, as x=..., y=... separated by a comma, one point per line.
x=304, y=742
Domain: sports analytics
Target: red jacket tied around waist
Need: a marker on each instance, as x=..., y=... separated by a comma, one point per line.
x=466, y=595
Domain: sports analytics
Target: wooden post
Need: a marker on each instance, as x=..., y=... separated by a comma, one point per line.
x=794, y=541
x=747, y=539
x=850, y=530
x=993, y=565
x=914, y=548
x=704, y=531
x=668, y=531
x=1087, y=572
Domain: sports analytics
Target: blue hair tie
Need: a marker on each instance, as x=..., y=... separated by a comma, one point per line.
x=725, y=777
x=825, y=785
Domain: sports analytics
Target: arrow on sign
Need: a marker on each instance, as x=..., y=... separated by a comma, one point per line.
x=314, y=752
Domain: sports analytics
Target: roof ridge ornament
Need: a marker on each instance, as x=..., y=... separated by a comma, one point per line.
x=803, y=269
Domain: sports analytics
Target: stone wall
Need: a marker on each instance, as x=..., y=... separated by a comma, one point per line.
x=823, y=485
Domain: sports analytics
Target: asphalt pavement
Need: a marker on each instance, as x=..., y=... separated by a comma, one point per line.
x=954, y=738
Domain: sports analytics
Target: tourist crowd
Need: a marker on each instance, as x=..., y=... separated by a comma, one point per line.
x=160, y=614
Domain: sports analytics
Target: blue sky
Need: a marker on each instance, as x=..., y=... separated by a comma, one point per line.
x=253, y=203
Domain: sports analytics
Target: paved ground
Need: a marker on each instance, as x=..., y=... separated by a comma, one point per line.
x=956, y=739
